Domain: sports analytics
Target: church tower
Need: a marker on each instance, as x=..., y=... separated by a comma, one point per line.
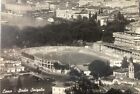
x=138, y=6
x=131, y=73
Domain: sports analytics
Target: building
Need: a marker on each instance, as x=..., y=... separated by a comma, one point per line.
x=53, y=5
x=25, y=8
x=43, y=64
x=2, y=65
x=71, y=13
x=103, y=19
x=108, y=52
x=65, y=13
x=115, y=62
x=13, y=67
x=9, y=66
x=20, y=7
x=130, y=40
x=122, y=76
x=126, y=44
x=110, y=3
x=60, y=88
x=84, y=69
x=90, y=2
x=131, y=69
x=111, y=81
x=120, y=73
x=123, y=73
x=120, y=3
x=107, y=80
x=83, y=13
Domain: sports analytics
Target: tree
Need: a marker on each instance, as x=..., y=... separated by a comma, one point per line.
x=107, y=36
x=118, y=91
x=83, y=86
x=79, y=18
x=99, y=68
x=84, y=29
x=61, y=66
x=93, y=18
x=125, y=63
x=131, y=59
x=128, y=91
x=38, y=70
x=114, y=91
x=74, y=72
x=119, y=22
x=90, y=15
x=85, y=19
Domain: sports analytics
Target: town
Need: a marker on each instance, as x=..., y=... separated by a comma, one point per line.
x=70, y=47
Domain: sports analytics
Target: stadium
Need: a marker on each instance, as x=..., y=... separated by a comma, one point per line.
x=65, y=54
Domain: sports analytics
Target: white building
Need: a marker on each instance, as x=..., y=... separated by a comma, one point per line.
x=53, y=5
x=60, y=88
x=115, y=63
x=42, y=5
x=9, y=66
x=130, y=39
x=129, y=43
x=1, y=65
x=122, y=76
x=90, y=2
x=25, y=8
x=65, y=13
x=19, y=9
x=126, y=44
x=102, y=19
x=108, y=80
x=131, y=71
x=75, y=15
x=110, y=3
x=71, y=14
x=119, y=81
x=120, y=3
x=120, y=73
x=13, y=67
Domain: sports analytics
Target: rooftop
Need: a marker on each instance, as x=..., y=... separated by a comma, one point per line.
x=109, y=78
x=62, y=84
x=124, y=48
x=82, y=12
x=83, y=68
x=134, y=25
x=122, y=70
x=124, y=87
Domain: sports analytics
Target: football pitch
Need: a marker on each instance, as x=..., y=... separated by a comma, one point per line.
x=72, y=55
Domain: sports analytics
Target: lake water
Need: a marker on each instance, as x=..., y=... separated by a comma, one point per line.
x=25, y=82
